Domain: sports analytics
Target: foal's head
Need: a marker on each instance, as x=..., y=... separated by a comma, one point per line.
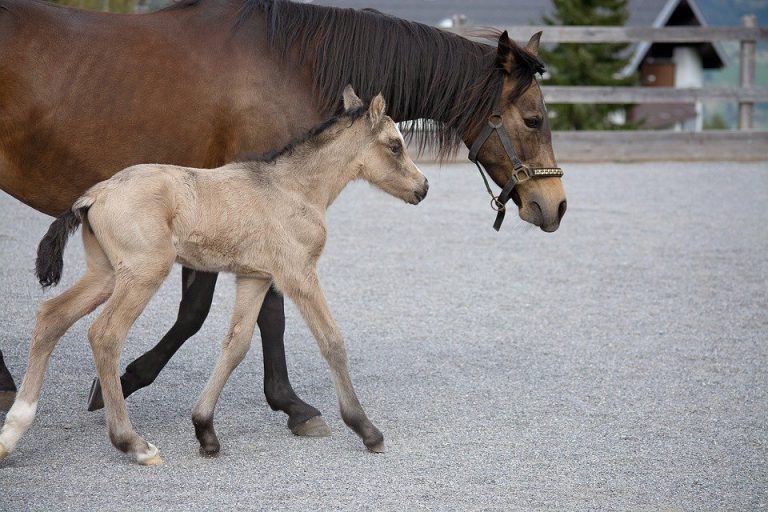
x=383, y=160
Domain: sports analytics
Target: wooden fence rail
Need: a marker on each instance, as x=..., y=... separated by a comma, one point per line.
x=599, y=94
x=590, y=34
x=745, y=144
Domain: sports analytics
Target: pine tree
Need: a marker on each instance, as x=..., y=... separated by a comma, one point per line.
x=587, y=64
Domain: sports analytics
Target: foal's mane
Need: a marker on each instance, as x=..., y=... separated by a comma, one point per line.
x=423, y=72
x=312, y=135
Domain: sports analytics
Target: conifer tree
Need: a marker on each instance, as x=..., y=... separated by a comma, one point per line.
x=587, y=64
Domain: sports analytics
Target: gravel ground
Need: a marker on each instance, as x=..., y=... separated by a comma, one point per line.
x=618, y=364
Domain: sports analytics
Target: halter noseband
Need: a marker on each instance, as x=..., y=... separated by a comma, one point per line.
x=520, y=173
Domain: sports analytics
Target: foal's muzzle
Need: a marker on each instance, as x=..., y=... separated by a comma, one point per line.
x=421, y=194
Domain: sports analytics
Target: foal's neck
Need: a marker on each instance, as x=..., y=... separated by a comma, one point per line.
x=320, y=173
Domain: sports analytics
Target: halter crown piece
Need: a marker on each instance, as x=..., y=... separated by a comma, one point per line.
x=520, y=173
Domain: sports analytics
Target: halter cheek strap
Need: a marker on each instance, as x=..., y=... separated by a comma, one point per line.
x=520, y=172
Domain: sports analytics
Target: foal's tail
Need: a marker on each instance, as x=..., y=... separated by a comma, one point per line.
x=50, y=253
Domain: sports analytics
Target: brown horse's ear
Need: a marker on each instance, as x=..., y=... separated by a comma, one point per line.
x=351, y=101
x=504, y=57
x=376, y=110
x=533, y=43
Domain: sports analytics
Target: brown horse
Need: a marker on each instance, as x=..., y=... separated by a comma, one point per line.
x=84, y=94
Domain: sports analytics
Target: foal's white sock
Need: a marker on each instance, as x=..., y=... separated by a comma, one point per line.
x=17, y=422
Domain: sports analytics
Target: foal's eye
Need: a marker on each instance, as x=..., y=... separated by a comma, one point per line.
x=533, y=122
x=396, y=147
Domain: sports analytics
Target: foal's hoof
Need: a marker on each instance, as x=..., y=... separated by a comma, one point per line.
x=3, y=452
x=6, y=400
x=151, y=458
x=95, y=400
x=313, y=427
x=152, y=461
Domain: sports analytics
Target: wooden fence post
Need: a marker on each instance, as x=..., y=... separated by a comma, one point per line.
x=747, y=63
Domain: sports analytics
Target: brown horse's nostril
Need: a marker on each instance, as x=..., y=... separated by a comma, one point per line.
x=537, y=212
x=561, y=209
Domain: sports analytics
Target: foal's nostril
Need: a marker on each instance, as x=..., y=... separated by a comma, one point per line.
x=421, y=194
x=561, y=209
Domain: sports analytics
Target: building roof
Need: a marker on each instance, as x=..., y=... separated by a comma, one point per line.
x=679, y=12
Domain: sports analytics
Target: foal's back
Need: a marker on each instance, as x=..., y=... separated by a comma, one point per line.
x=231, y=219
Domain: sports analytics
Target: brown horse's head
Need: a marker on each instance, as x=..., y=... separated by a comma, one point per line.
x=541, y=201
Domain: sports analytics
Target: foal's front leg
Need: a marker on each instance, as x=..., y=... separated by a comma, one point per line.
x=250, y=295
x=310, y=300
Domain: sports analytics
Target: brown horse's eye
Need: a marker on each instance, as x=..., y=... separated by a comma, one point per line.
x=533, y=122
x=396, y=147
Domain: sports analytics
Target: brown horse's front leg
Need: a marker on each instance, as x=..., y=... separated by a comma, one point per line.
x=7, y=387
x=303, y=419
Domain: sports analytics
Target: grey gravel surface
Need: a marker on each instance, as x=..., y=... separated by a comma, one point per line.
x=618, y=364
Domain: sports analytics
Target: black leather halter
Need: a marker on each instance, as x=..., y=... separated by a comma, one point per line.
x=520, y=173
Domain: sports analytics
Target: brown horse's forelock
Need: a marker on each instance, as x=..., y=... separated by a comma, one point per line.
x=425, y=73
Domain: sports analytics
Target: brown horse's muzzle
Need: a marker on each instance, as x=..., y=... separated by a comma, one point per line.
x=541, y=202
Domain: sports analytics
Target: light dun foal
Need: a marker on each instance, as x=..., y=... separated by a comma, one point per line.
x=262, y=220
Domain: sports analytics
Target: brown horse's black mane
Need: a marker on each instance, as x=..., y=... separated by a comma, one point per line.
x=423, y=72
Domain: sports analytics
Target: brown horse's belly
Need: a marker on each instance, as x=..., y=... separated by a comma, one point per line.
x=12, y=182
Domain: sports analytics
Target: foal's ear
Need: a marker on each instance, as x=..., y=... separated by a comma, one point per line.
x=351, y=101
x=504, y=57
x=533, y=43
x=376, y=110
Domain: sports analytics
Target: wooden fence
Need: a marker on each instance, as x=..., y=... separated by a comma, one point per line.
x=642, y=145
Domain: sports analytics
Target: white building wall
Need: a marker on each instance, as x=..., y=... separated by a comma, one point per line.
x=689, y=72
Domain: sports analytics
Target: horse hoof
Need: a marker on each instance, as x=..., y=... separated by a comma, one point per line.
x=3, y=452
x=152, y=461
x=377, y=448
x=6, y=400
x=313, y=427
x=210, y=451
x=95, y=400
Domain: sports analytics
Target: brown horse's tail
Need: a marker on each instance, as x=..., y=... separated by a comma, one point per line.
x=50, y=253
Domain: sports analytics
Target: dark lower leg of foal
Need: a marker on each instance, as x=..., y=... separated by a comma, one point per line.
x=303, y=419
x=7, y=387
x=196, y=296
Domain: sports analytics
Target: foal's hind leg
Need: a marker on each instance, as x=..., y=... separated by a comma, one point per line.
x=133, y=290
x=196, y=295
x=311, y=302
x=54, y=317
x=250, y=294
